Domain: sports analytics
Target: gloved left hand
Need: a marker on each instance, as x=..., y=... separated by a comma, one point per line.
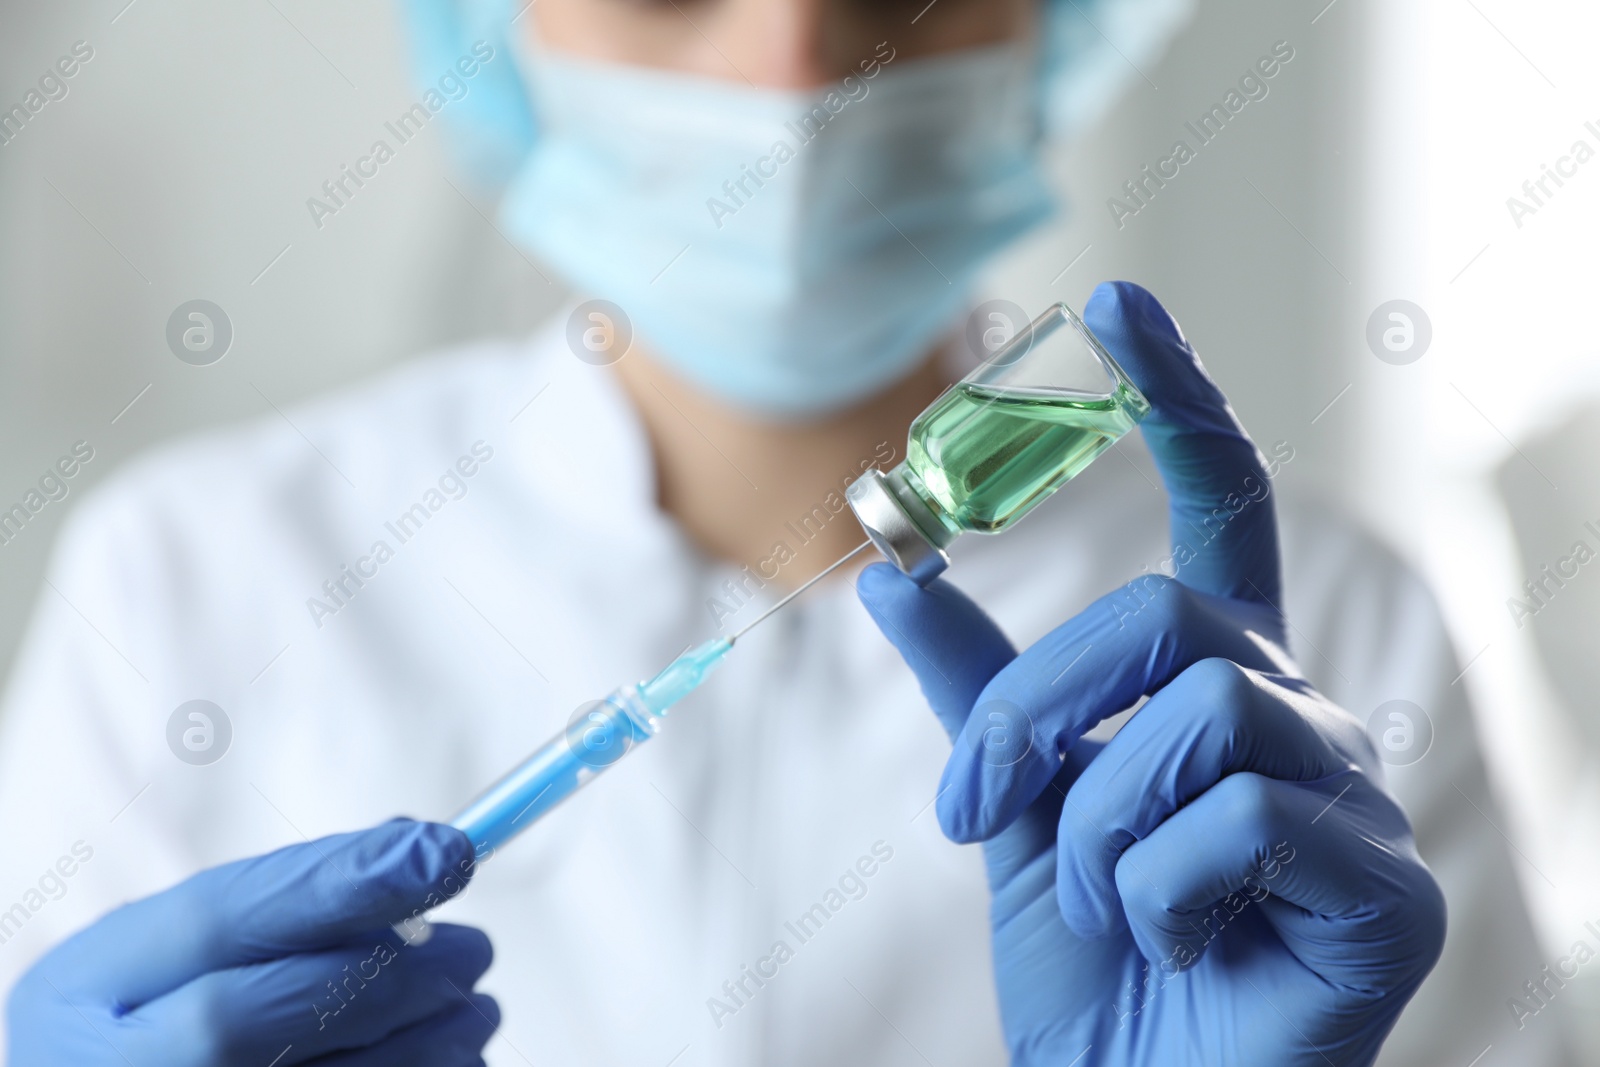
x=283, y=959
x=1225, y=881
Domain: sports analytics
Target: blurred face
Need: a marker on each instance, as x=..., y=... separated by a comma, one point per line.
x=777, y=44
x=786, y=272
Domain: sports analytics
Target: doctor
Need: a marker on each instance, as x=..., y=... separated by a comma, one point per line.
x=481, y=543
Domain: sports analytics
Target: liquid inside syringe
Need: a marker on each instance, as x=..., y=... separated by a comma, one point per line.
x=599, y=735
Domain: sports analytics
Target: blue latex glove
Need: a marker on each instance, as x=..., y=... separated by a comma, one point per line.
x=1225, y=881
x=283, y=959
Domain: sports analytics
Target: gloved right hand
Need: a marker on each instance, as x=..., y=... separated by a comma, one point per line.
x=282, y=959
x=1225, y=881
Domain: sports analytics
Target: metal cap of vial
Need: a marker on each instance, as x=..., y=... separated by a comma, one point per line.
x=887, y=516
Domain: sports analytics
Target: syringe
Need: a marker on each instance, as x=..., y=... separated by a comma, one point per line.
x=600, y=735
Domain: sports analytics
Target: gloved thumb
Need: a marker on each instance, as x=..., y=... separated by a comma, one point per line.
x=297, y=899
x=949, y=643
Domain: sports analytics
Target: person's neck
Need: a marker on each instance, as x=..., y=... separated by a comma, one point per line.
x=765, y=494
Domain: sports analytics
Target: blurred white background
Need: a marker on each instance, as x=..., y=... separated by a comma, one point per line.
x=1378, y=168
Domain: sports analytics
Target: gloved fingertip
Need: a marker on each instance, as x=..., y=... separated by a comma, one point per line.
x=892, y=600
x=476, y=950
x=1088, y=915
x=882, y=585
x=489, y=1008
x=482, y=947
x=451, y=848
x=461, y=953
x=1130, y=306
x=1147, y=341
x=950, y=804
x=1132, y=324
x=1107, y=298
x=1160, y=954
x=956, y=823
x=997, y=770
x=408, y=858
x=965, y=817
x=951, y=646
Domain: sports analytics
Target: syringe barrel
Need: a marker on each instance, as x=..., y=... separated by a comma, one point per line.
x=598, y=736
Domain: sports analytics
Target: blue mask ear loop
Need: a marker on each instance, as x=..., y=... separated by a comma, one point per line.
x=492, y=129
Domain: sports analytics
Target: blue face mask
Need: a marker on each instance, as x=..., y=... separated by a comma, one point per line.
x=793, y=253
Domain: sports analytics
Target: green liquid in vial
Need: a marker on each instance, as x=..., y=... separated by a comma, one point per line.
x=986, y=456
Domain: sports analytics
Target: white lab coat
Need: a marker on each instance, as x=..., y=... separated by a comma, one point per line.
x=550, y=581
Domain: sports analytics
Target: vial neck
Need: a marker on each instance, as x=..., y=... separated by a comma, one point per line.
x=922, y=507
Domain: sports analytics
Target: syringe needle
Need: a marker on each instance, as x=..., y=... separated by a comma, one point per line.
x=835, y=565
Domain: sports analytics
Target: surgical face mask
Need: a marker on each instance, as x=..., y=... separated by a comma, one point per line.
x=790, y=252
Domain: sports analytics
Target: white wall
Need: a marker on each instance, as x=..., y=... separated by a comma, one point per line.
x=189, y=144
x=1503, y=412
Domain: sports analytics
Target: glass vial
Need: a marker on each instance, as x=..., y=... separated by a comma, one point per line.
x=998, y=442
